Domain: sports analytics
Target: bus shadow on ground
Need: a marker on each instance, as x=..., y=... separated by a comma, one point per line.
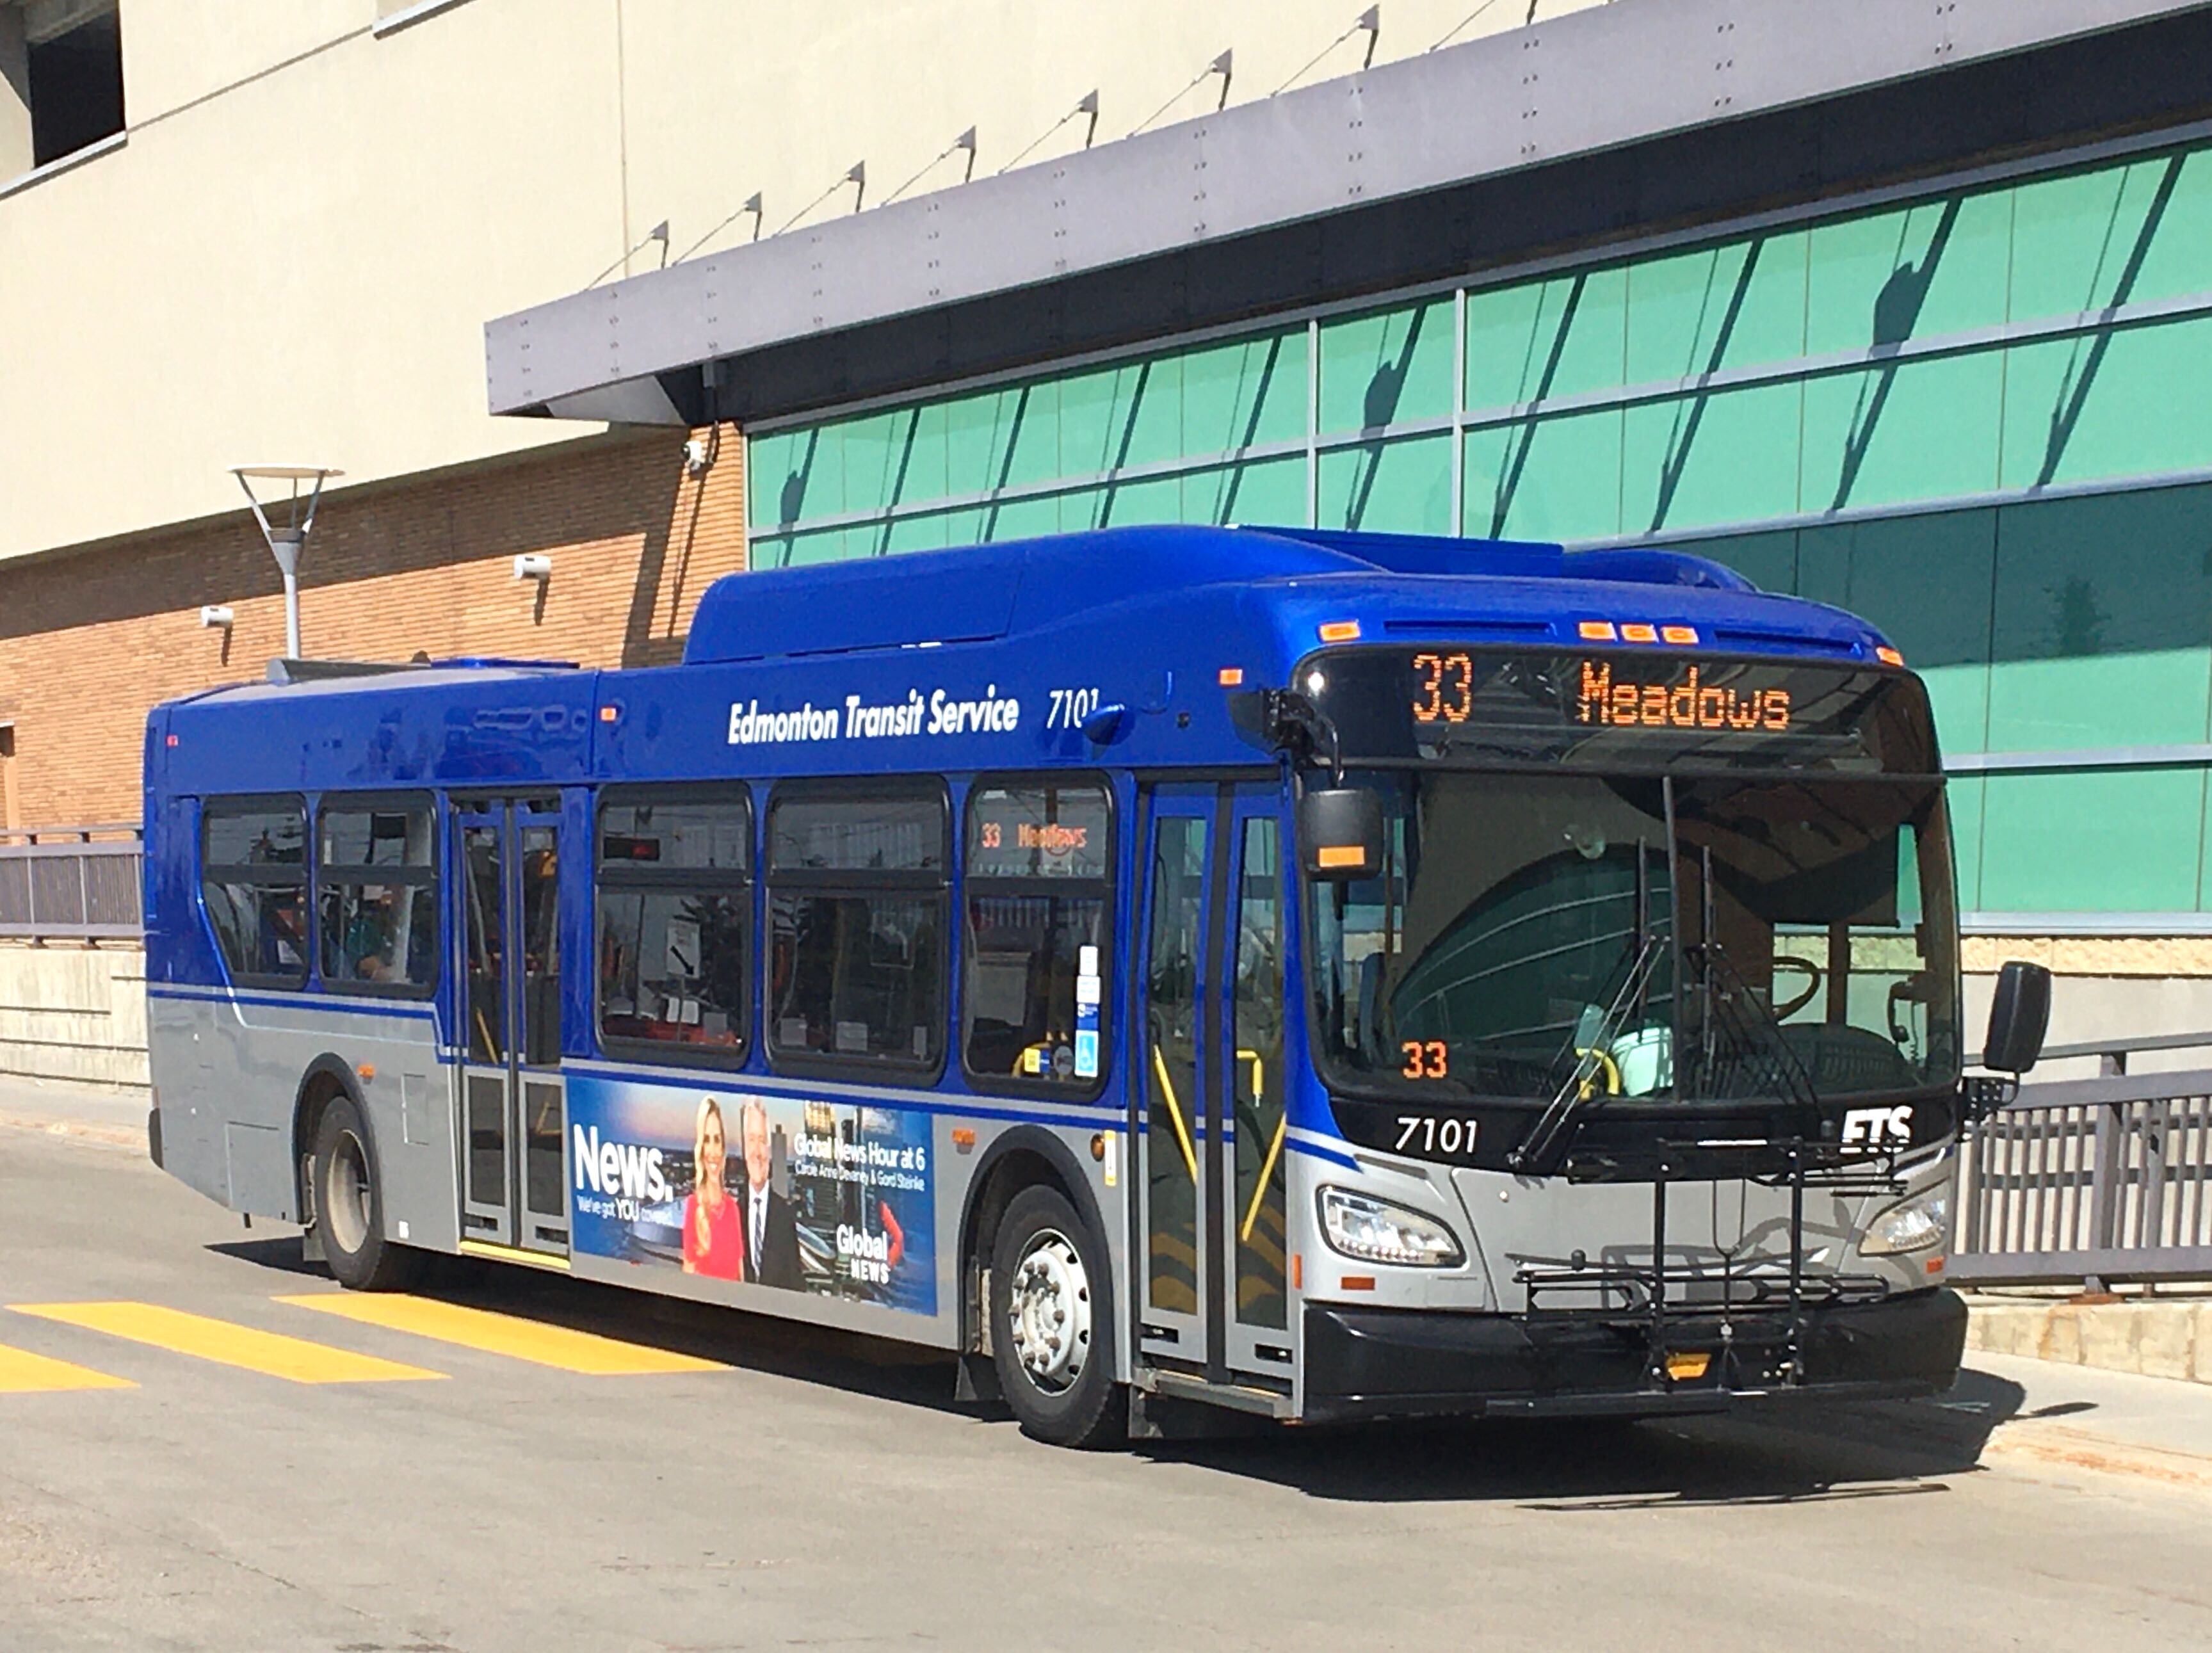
x=1794, y=1452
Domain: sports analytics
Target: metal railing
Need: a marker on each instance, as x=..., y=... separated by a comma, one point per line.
x=70, y=882
x=2092, y=1181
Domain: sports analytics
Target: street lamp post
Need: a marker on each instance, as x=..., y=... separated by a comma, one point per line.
x=287, y=539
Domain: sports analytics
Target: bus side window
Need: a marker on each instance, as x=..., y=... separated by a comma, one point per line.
x=1037, y=869
x=254, y=882
x=675, y=917
x=857, y=902
x=376, y=891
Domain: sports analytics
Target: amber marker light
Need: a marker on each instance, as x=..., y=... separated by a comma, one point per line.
x=1596, y=631
x=367, y=1069
x=1888, y=656
x=1636, y=631
x=607, y=714
x=1359, y=1282
x=1327, y=855
x=1339, y=631
x=1678, y=633
x=1231, y=677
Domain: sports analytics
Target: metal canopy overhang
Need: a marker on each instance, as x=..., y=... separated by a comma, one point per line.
x=1609, y=121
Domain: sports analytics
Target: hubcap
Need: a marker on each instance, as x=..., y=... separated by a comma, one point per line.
x=1049, y=1306
x=345, y=1193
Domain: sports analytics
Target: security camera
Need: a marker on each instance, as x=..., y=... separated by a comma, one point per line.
x=215, y=617
x=694, y=456
x=533, y=565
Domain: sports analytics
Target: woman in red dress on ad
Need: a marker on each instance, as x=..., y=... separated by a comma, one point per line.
x=714, y=1227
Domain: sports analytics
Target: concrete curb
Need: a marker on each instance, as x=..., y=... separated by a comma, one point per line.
x=2169, y=1338
x=2077, y=1449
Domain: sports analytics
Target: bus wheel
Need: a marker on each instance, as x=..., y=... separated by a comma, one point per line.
x=350, y=1206
x=1052, y=1324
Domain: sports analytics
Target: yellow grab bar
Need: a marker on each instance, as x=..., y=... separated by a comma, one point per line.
x=1174, y=1112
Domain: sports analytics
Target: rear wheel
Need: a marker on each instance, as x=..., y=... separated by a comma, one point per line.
x=350, y=1206
x=1052, y=1324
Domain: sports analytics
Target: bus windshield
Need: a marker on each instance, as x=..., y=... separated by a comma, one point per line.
x=1676, y=939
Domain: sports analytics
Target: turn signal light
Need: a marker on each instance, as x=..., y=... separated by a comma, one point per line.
x=1888, y=656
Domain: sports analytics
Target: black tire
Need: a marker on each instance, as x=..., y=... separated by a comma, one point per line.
x=1073, y=1400
x=350, y=1206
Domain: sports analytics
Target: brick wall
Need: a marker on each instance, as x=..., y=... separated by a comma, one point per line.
x=91, y=637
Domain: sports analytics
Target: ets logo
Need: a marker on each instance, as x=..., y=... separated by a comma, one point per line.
x=1869, y=1129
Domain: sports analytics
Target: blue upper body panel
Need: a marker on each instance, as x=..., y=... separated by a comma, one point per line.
x=984, y=659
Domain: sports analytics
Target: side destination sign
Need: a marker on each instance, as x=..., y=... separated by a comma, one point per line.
x=939, y=713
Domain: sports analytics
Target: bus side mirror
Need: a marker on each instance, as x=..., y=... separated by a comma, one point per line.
x=1340, y=833
x=2019, y=1016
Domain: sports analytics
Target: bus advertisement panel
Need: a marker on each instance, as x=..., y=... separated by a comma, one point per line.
x=834, y=1199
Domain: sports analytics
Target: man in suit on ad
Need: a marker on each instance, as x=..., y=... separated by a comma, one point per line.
x=771, y=1224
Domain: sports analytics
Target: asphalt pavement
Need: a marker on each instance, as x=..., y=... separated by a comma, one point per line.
x=202, y=1446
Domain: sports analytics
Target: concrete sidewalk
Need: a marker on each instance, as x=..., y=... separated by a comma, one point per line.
x=108, y=1118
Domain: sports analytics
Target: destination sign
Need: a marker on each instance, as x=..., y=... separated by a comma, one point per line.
x=1631, y=710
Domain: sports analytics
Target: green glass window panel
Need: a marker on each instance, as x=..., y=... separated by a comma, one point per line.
x=1154, y=498
x=1128, y=414
x=767, y=550
x=768, y=461
x=1927, y=582
x=2135, y=231
x=1079, y=507
x=1904, y=431
x=1916, y=272
x=1769, y=561
x=965, y=526
x=1022, y=518
x=2122, y=403
x=1400, y=486
x=2111, y=840
x=1724, y=456
x=1032, y=434
x=869, y=447
x=1545, y=479
x=918, y=456
x=979, y=435
x=823, y=545
x=1242, y=394
x=2104, y=608
x=1963, y=795
x=1387, y=367
x=917, y=533
x=1734, y=305
x=1262, y=493
x=805, y=480
x=1559, y=337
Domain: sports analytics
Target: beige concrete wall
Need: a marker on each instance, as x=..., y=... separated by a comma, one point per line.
x=74, y=1014
x=293, y=254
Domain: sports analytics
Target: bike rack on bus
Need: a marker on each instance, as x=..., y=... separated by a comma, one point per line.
x=1654, y=1297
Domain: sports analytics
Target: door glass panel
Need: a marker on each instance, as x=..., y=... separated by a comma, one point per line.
x=486, y=967
x=1256, y=1010
x=1172, y=1062
x=486, y=1121
x=541, y=948
x=542, y=1171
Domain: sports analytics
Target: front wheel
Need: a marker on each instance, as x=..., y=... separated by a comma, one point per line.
x=1052, y=1326
x=350, y=1206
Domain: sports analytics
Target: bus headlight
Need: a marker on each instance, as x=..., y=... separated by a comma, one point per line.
x=1374, y=1231
x=1912, y=1225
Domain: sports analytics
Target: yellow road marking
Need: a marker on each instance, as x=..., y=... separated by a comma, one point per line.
x=507, y=1334
x=205, y=1339
x=22, y=1372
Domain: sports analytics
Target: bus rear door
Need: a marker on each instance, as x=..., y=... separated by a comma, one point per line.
x=513, y=1111
x=1210, y=1048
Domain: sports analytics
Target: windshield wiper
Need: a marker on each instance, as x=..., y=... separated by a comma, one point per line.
x=1563, y=1114
x=1747, y=1038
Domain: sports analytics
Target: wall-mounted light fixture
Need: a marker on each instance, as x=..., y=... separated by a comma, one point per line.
x=215, y=617
x=533, y=565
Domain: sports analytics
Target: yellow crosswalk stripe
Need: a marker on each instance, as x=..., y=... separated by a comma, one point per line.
x=22, y=1372
x=507, y=1334
x=206, y=1339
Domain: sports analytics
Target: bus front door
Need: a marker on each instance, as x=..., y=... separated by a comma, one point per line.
x=514, y=1110
x=1210, y=1125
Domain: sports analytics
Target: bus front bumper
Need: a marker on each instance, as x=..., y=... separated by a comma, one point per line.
x=1382, y=1363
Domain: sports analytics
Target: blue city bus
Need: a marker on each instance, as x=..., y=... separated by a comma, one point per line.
x=1182, y=971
